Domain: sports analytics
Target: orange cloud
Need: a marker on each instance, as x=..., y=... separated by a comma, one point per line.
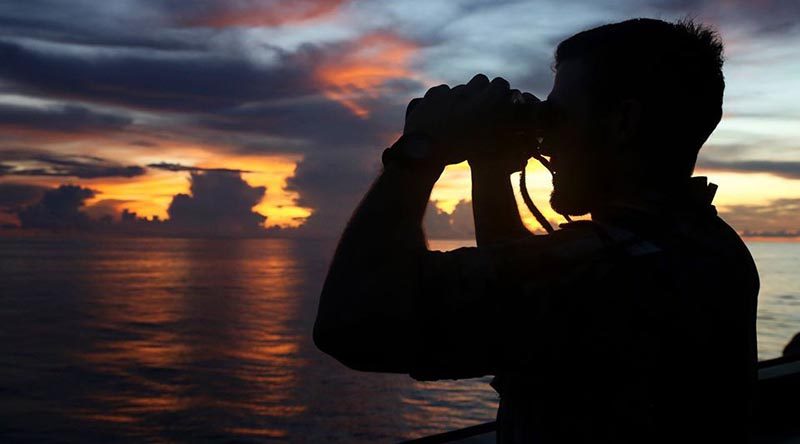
x=150, y=194
x=279, y=12
x=362, y=72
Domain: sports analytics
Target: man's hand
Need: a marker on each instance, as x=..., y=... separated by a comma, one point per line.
x=510, y=151
x=463, y=121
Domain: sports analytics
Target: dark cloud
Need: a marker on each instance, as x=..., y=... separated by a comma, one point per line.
x=105, y=208
x=205, y=78
x=459, y=224
x=176, y=167
x=232, y=13
x=778, y=217
x=198, y=82
x=42, y=163
x=436, y=223
x=13, y=196
x=324, y=125
x=225, y=94
x=786, y=169
x=332, y=184
x=224, y=91
x=122, y=24
x=62, y=118
x=220, y=204
x=58, y=208
x=716, y=152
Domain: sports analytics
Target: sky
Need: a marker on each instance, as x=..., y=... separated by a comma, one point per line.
x=244, y=117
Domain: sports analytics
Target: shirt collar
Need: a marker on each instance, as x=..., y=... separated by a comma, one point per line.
x=695, y=195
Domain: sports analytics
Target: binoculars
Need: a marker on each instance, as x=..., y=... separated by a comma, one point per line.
x=533, y=119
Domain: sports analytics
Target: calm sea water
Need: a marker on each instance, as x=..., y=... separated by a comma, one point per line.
x=178, y=340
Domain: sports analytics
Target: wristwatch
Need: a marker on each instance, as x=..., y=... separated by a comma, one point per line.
x=409, y=151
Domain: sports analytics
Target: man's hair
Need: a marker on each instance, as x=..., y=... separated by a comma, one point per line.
x=673, y=69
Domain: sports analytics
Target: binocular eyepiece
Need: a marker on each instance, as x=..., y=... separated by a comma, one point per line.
x=533, y=118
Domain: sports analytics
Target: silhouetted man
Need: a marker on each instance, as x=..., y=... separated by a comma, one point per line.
x=636, y=326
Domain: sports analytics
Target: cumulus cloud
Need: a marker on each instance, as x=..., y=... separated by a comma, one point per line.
x=58, y=208
x=221, y=203
x=332, y=185
x=14, y=195
x=456, y=225
x=436, y=223
x=106, y=210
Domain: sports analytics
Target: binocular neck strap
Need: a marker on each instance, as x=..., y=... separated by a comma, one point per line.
x=523, y=189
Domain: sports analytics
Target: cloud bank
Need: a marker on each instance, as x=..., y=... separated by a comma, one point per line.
x=220, y=204
x=324, y=81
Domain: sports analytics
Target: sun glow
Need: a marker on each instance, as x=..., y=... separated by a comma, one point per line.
x=455, y=185
x=151, y=194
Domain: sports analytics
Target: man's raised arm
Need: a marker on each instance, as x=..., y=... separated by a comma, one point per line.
x=366, y=302
x=366, y=312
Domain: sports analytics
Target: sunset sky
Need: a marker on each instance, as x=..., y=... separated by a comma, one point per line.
x=136, y=102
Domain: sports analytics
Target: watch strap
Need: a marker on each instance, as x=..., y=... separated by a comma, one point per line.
x=409, y=150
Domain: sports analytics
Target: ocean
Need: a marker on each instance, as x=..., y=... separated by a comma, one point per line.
x=193, y=340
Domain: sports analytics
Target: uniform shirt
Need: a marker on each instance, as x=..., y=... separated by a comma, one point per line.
x=637, y=326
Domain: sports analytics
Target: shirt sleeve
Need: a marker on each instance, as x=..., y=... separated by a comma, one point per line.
x=482, y=309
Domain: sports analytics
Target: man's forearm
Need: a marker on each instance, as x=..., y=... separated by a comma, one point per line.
x=494, y=207
x=367, y=299
x=390, y=214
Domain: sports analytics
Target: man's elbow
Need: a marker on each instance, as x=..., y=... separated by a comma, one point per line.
x=362, y=319
x=327, y=339
x=358, y=348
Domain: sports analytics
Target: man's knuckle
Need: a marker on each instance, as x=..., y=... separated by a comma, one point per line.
x=412, y=104
x=500, y=83
x=479, y=78
x=438, y=89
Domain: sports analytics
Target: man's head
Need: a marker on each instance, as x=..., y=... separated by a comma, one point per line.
x=632, y=104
